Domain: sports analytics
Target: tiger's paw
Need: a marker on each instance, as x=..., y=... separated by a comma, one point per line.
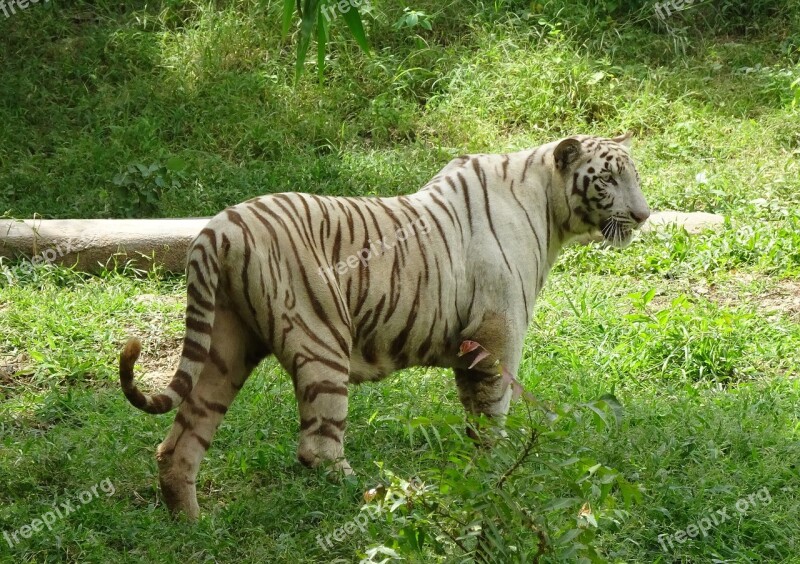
x=180, y=496
x=339, y=469
x=334, y=468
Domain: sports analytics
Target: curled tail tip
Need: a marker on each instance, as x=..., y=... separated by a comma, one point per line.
x=158, y=403
x=127, y=358
x=133, y=348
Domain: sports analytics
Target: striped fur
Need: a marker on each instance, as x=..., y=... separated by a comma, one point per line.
x=463, y=258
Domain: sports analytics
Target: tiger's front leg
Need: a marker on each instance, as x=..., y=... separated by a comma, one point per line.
x=483, y=393
x=482, y=389
x=321, y=391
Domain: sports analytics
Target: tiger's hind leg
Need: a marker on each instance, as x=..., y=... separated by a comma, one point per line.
x=231, y=359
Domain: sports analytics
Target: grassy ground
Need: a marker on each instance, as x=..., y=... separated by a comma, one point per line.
x=698, y=337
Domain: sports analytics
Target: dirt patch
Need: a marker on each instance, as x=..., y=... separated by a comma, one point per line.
x=783, y=298
x=160, y=351
x=158, y=363
x=148, y=299
x=771, y=297
x=15, y=371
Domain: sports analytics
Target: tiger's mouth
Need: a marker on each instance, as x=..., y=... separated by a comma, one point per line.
x=616, y=233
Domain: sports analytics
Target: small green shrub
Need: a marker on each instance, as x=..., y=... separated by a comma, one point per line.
x=138, y=190
x=492, y=506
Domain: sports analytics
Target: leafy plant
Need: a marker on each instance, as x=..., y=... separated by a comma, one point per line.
x=491, y=505
x=138, y=189
x=315, y=19
x=413, y=18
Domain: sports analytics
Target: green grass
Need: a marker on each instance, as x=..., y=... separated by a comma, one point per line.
x=697, y=336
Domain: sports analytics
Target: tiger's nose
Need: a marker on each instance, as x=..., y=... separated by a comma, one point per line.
x=640, y=216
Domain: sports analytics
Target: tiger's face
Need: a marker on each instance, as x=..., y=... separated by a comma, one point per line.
x=602, y=187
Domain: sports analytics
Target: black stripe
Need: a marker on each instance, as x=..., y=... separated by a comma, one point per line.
x=441, y=232
x=465, y=189
x=197, y=298
x=399, y=343
x=193, y=350
x=482, y=180
x=181, y=383
x=312, y=297
x=197, y=325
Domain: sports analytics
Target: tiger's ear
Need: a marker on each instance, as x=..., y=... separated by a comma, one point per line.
x=567, y=153
x=624, y=140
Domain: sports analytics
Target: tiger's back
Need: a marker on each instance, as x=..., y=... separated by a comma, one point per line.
x=316, y=263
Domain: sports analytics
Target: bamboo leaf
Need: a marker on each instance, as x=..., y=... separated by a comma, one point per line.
x=561, y=503
x=352, y=18
x=306, y=30
x=322, y=42
x=616, y=407
x=288, y=12
x=315, y=22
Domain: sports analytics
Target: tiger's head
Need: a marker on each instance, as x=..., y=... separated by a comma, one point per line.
x=602, y=187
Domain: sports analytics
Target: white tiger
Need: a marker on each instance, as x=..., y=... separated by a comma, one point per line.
x=343, y=290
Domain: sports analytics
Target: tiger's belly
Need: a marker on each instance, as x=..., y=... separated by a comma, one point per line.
x=372, y=366
x=363, y=371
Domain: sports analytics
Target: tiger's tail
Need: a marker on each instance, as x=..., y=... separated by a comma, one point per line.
x=202, y=277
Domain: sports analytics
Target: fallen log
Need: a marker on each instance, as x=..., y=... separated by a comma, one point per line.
x=94, y=244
